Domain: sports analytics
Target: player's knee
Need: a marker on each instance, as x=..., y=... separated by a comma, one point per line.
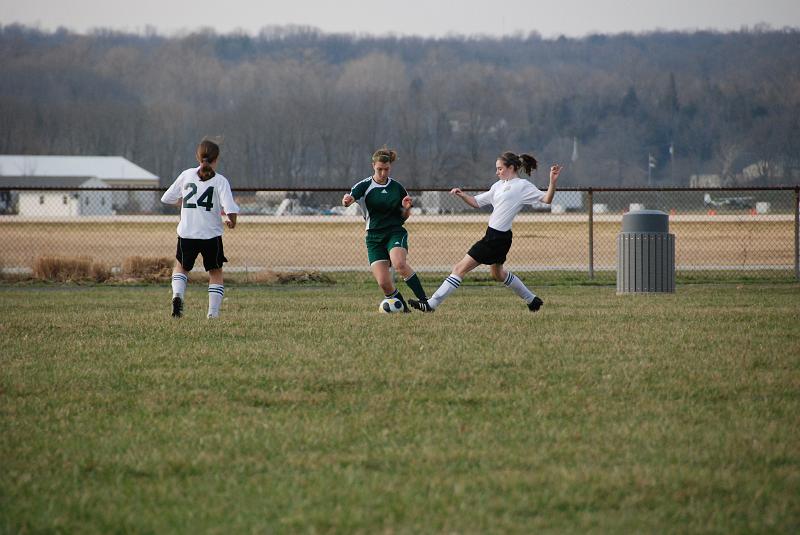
x=499, y=275
x=401, y=267
x=461, y=269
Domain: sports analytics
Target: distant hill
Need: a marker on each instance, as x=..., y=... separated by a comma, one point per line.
x=297, y=107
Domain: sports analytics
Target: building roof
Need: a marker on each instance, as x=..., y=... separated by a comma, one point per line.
x=110, y=169
x=12, y=182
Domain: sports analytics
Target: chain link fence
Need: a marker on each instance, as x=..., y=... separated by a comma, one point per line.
x=752, y=231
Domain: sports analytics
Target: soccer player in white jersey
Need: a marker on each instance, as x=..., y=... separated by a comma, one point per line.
x=507, y=196
x=203, y=195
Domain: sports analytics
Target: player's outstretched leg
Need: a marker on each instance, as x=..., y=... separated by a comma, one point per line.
x=449, y=285
x=179, y=281
x=421, y=305
x=514, y=283
x=453, y=281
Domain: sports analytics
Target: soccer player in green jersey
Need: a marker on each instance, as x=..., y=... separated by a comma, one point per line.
x=386, y=206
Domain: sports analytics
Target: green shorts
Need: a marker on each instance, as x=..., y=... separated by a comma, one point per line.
x=380, y=242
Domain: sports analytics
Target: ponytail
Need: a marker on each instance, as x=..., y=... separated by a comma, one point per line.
x=523, y=162
x=207, y=153
x=529, y=163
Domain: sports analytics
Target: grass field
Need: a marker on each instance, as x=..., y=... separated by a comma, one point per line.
x=304, y=410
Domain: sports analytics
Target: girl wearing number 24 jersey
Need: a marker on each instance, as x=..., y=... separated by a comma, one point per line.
x=203, y=194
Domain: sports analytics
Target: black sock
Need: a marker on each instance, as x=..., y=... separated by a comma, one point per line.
x=416, y=286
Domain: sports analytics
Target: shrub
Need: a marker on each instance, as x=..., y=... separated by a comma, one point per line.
x=148, y=268
x=293, y=277
x=62, y=268
x=100, y=272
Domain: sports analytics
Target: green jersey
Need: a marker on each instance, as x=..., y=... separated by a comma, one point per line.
x=382, y=204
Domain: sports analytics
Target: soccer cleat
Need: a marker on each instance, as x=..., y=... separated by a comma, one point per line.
x=177, y=307
x=421, y=305
x=535, y=305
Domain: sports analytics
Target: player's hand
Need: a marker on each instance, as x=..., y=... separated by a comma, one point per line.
x=407, y=202
x=457, y=192
x=555, y=170
x=347, y=200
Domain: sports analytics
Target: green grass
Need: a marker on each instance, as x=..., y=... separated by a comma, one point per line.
x=304, y=410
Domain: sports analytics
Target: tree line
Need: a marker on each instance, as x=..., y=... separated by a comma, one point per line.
x=295, y=107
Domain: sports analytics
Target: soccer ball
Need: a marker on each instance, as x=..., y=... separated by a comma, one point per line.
x=390, y=304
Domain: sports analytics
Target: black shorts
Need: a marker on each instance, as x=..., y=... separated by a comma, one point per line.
x=211, y=249
x=492, y=248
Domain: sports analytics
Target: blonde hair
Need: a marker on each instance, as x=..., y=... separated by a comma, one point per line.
x=384, y=155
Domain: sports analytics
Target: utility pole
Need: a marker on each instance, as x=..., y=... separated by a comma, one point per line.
x=672, y=163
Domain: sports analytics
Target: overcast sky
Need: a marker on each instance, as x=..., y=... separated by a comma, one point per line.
x=435, y=18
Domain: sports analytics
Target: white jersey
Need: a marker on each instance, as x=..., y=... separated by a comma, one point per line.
x=507, y=198
x=202, y=204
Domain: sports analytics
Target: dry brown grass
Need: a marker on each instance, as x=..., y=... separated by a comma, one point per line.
x=137, y=269
x=101, y=272
x=62, y=269
x=86, y=269
x=70, y=269
x=148, y=268
x=294, y=277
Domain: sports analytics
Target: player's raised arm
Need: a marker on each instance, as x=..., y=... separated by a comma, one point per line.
x=555, y=170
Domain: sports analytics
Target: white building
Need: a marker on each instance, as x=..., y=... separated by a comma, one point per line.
x=51, y=203
x=705, y=181
x=106, y=171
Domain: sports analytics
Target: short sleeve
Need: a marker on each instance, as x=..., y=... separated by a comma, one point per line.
x=531, y=194
x=226, y=198
x=359, y=189
x=487, y=197
x=173, y=193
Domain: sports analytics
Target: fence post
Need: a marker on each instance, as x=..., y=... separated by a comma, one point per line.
x=591, y=234
x=797, y=232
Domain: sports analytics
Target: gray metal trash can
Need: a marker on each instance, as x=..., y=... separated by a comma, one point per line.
x=645, y=253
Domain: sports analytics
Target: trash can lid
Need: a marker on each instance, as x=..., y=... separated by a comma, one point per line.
x=645, y=221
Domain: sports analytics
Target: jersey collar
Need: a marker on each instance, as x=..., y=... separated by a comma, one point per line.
x=378, y=184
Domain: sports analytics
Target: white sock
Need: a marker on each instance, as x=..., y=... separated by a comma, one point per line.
x=215, y=294
x=450, y=284
x=516, y=285
x=179, y=284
